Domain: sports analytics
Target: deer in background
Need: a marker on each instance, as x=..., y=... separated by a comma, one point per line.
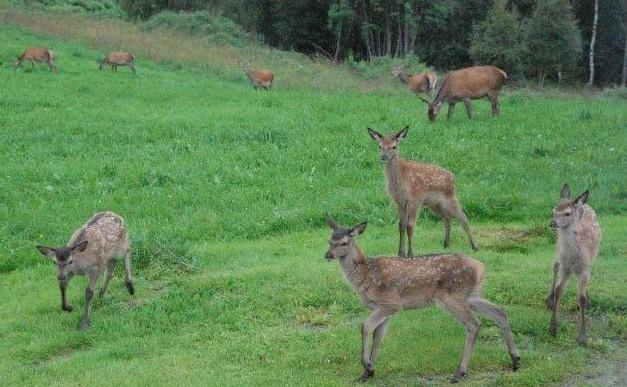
x=259, y=78
x=578, y=238
x=388, y=285
x=37, y=54
x=417, y=83
x=92, y=249
x=465, y=85
x=115, y=59
x=412, y=185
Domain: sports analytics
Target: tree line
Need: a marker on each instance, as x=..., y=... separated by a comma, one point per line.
x=530, y=39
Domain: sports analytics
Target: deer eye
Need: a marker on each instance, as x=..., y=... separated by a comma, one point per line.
x=344, y=244
x=69, y=262
x=568, y=213
x=394, y=147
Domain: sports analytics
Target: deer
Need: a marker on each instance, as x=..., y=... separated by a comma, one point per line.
x=115, y=59
x=37, y=54
x=260, y=79
x=578, y=239
x=412, y=185
x=465, y=85
x=417, y=83
x=388, y=285
x=92, y=249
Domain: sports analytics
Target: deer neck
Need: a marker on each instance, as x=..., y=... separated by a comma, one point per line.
x=355, y=268
x=403, y=77
x=394, y=178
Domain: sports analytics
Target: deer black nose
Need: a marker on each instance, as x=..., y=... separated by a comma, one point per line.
x=328, y=255
x=553, y=224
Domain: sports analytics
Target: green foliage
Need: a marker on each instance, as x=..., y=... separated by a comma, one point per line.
x=499, y=40
x=215, y=27
x=101, y=8
x=553, y=39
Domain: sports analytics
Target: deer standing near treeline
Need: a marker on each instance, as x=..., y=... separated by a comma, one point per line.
x=412, y=185
x=115, y=59
x=261, y=79
x=388, y=285
x=465, y=85
x=417, y=83
x=37, y=54
x=92, y=249
x=578, y=238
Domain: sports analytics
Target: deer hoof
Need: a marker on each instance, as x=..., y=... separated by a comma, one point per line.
x=67, y=307
x=583, y=340
x=366, y=375
x=457, y=377
x=553, y=328
x=516, y=363
x=84, y=325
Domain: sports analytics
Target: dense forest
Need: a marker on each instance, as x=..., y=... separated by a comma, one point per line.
x=530, y=39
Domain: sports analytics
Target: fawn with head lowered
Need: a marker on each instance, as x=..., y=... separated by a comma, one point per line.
x=578, y=238
x=37, y=54
x=388, y=285
x=412, y=185
x=115, y=59
x=92, y=249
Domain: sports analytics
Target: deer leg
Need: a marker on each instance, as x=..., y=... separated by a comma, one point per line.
x=32, y=65
x=468, y=104
x=89, y=295
x=379, y=332
x=447, y=230
x=457, y=211
x=110, y=268
x=412, y=211
x=496, y=314
x=64, y=304
x=557, y=294
x=402, y=226
x=461, y=311
x=132, y=69
x=550, y=300
x=375, y=319
x=451, y=109
x=127, y=270
x=583, y=304
x=494, y=100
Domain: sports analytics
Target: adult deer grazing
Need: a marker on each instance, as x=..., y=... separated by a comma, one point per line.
x=92, y=249
x=412, y=185
x=259, y=78
x=115, y=59
x=388, y=285
x=37, y=54
x=465, y=85
x=417, y=83
x=578, y=237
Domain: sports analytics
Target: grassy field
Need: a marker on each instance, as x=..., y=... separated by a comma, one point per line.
x=224, y=190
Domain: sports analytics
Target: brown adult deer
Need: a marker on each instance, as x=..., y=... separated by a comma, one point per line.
x=417, y=83
x=37, y=54
x=388, y=285
x=92, y=249
x=578, y=238
x=412, y=185
x=259, y=78
x=115, y=59
x=465, y=85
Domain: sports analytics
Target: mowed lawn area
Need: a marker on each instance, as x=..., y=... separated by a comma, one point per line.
x=225, y=189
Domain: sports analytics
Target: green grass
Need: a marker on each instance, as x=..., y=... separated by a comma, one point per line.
x=224, y=189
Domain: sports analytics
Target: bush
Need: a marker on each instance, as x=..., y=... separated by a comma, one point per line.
x=216, y=27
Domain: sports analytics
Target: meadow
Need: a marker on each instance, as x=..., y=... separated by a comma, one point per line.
x=224, y=190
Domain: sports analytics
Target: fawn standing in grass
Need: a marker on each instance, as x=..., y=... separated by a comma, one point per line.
x=92, y=249
x=412, y=185
x=115, y=59
x=388, y=285
x=259, y=78
x=578, y=237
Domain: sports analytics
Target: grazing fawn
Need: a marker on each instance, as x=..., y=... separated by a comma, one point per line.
x=92, y=249
x=259, y=78
x=417, y=83
x=115, y=59
x=412, y=185
x=578, y=237
x=37, y=54
x=388, y=285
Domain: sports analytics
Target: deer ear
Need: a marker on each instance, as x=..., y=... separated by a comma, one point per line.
x=565, y=192
x=402, y=134
x=47, y=251
x=581, y=199
x=79, y=246
x=375, y=135
x=331, y=222
x=358, y=230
